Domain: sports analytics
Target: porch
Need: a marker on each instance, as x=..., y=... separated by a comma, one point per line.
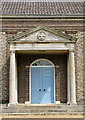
x=43, y=42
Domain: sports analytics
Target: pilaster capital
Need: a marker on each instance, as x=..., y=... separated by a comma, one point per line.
x=12, y=51
x=71, y=50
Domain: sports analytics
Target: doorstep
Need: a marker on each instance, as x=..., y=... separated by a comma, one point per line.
x=39, y=116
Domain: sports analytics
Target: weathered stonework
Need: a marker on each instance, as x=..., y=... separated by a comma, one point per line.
x=3, y=68
x=84, y=68
x=79, y=67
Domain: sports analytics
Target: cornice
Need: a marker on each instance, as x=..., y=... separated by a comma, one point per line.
x=26, y=42
x=26, y=33
x=42, y=18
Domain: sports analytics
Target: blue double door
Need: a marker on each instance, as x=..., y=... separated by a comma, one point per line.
x=42, y=85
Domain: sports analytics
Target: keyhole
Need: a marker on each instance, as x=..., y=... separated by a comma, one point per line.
x=44, y=89
x=39, y=89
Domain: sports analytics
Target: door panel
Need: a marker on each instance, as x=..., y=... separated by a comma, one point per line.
x=35, y=84
x=48, y=85
x=42, y=85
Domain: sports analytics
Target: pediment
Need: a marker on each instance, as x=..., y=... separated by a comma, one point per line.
x=42, y=34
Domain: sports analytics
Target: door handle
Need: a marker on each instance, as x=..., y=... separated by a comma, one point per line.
x=44, y=89
x=39, y=89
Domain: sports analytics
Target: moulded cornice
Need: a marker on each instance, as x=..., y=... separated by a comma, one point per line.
x=17, y=37
x=42, y=16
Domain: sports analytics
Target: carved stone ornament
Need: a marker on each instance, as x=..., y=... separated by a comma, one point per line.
x=41, y=36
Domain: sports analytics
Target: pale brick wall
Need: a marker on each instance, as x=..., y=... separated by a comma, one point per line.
x=3, y=67
x=84, y=69
x=79, y=67
x=0, y=66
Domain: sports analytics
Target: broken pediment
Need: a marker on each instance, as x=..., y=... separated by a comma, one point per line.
x=42, y=34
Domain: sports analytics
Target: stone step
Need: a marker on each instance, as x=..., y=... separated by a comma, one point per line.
x=38, y=111
x=50, y=107
x=43, y=109
x=70, y=109
x=46, y=109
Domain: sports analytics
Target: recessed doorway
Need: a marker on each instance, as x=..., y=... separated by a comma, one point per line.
x=42, y=82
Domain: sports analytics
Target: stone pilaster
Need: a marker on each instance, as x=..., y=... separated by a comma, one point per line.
x=72, y=77
x=13, y=79
x=68, y=82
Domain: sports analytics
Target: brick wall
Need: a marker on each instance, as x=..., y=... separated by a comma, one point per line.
x=23, y=25
x=84, y=67
x=3, y=68
x=60, y=76
x=79, y=60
